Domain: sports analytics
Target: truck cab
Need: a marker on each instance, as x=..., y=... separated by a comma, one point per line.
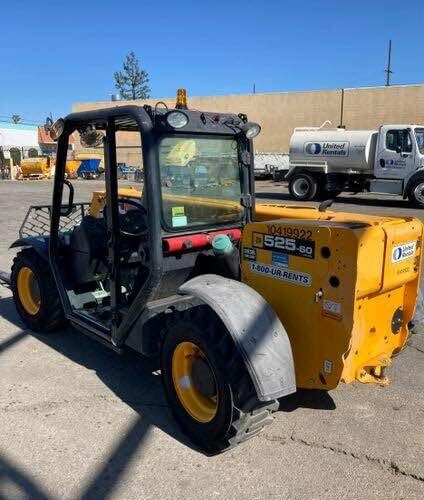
x=399, y=155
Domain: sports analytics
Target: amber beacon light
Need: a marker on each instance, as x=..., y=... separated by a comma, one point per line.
x=181, y=99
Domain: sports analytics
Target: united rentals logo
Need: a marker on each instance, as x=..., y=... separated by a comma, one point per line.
x=333, y=148
x=404, y=251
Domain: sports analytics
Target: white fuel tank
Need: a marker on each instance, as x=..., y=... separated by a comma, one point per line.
x=339, y=150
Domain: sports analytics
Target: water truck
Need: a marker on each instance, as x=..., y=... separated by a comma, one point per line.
x=324, y=162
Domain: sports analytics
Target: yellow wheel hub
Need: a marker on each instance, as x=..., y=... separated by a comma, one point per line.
x=29, y=291
x=194, y=382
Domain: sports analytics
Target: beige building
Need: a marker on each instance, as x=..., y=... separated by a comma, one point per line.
x=280, y=112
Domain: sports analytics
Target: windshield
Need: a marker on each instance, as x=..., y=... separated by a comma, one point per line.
x=200, y=178
x=419, y=134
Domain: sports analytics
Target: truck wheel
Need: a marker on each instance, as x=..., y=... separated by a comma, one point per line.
x=35, y=293
x=303, y=187
x=207, y=385
x=416, y=193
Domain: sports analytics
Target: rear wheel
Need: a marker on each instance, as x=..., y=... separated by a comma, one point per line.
x=35, y=293
x=303, y=186
x=416, y=193
x=206, y=383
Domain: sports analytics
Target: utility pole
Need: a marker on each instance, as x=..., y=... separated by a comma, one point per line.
x=341, y=109
x=254, y=88
x=388, y=70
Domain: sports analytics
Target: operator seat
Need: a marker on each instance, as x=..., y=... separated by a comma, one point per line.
x=88, y=251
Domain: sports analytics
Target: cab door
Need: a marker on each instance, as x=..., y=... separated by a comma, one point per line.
x=395, y=156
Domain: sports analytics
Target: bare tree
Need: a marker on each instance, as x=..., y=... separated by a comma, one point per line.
x=132, y=81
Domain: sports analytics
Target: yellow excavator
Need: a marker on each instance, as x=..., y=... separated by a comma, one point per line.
x=241, y=302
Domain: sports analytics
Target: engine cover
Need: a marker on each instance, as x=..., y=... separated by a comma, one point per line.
x=343, y=285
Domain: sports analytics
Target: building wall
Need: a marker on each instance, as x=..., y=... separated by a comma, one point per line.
x=18, y=135
x=279, y=113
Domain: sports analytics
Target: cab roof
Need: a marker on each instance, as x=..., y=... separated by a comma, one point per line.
x=133, y=118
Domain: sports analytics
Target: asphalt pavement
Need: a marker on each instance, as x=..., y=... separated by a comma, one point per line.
x=81, y=422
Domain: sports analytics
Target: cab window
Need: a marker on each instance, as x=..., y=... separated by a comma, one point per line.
x=419, y=135
x=399, y=140
x=200, y=179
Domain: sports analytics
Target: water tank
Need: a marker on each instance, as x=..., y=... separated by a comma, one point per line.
x=339, y=149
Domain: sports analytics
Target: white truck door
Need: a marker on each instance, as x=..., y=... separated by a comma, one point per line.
x=395, y=156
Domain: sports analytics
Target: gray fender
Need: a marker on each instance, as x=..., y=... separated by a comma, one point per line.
x=316, y=169
x=256, y=330
x=38, y=243
x=290, y=173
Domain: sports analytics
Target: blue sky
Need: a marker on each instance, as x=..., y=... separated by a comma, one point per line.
x=54, y=53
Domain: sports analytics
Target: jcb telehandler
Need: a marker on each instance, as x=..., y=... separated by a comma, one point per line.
x=242, y=304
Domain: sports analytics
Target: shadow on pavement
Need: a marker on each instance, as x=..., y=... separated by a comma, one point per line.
x=135, y=381
x=13, y=480
x=108, y=475
x=14, y=483
x=344, y=198
x=307, y=398
x=131, y=377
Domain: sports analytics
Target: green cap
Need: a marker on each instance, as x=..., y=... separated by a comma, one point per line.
x=221, y=244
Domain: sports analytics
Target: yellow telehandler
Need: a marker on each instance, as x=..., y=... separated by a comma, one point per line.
x=241, y=302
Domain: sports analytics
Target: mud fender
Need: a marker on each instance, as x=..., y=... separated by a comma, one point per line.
x=38, y=243
x=255, y=328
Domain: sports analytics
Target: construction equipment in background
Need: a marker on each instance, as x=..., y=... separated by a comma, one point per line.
x=91, y=166
x=126, y=172
x=71, y=168
x=44, y=168
x=324, y=162
x=89, y=169
x=35, y=168
x=240, y=302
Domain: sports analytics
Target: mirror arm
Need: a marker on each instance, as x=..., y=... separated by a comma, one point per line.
x=70, y=199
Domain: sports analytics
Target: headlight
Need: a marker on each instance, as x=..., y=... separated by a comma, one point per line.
x=56, y=130
x=251, y=129
x=177, y=119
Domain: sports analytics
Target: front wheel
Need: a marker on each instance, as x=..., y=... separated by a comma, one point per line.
x=303, y=187
x=416, y=193
x=35, y=293
x=207, y=385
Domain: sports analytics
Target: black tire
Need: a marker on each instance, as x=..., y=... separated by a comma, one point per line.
x=239, y=414
x=303, y=186
x=416, y=192
x=50, y=315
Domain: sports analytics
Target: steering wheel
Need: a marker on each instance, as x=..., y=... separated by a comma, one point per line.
x=133, y=222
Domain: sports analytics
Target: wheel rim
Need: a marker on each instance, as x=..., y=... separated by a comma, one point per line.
x=29, y=291
x=194, y=382
x=301, y=187
x=419, y=193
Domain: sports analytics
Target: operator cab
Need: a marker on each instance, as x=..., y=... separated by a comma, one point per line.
x=140, y=238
